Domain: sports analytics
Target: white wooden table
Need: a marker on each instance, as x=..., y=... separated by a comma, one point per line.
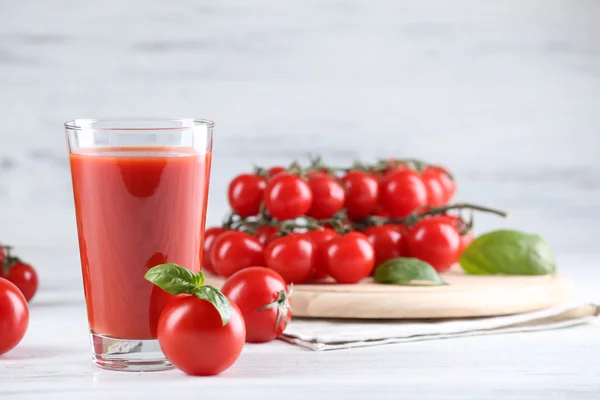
x=53, y=361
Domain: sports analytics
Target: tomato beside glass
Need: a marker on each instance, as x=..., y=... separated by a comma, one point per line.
x=192, y=336
x=24, y=277
x=262, y=297
x=14, y=315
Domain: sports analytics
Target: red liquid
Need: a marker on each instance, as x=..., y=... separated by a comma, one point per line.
x=136, y=208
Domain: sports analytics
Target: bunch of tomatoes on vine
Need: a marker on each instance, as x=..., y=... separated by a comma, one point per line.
x=319, y=223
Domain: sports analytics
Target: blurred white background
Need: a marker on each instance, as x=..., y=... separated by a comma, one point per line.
x=505, y=93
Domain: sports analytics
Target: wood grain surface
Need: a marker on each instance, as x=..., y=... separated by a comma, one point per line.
x=464, y=296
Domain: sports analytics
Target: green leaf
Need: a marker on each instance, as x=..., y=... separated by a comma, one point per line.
x=199, y=278
x=217, y=299
x=172, y=278
x=508, y=252
x=407, y=271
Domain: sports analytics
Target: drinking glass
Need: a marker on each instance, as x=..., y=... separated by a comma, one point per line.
x=140, y=187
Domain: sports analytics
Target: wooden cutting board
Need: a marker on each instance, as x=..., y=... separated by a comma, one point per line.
x=464, y=296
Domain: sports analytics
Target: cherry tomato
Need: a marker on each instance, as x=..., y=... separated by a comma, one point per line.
x=262, y=296
x=209, y=238
x=362, y=194
x=245, y=194
x=293, y=256
x=233, y=251
x=466, y=234
x=445, y=179
x=402, y=192
x=328, y=196
x=193, y=338
x=387, y=241
x=436, y=194
x=24, y=277
x=266, y=233
x=320, y=238
x=14, y=315
x=350, y=257
x=277, y=169
x=435, y=241
x=287, y=196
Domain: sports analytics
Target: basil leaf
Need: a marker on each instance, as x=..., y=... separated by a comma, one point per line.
x=217, y=299
x=199, y=278
x=407, y=271
x=508, y=252
x=172, y=278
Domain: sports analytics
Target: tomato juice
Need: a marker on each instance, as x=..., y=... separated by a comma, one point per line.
x=136, y=207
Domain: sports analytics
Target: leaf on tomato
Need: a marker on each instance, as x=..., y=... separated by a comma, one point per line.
x=173, y=278
x=508, y=252
x=408, y=272
x=218, y=299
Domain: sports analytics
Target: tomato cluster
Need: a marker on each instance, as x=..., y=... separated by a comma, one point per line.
x=317, y=223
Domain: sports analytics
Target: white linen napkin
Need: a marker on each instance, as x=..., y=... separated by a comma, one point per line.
x=319, y=335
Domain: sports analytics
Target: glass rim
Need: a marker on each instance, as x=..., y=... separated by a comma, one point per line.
x=87, y=124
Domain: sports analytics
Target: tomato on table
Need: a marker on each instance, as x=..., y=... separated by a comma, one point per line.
x=245, y=194
x=287, y=196
x=403, y=192
x=263, y=299
x=293, y=256
x=350, y=257
x=320, y=238
x=209, y=238
x=233, y=251
x=14, y=316
x=328, y=196
x=362, y=194
x=193, y=338
x=23, y=276
x=387, y=241
x=436, y=241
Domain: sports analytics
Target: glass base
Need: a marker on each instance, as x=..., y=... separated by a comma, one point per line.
x=128, y=355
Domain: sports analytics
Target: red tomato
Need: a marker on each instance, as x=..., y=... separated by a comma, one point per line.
x=402, y=192
x=362, y=194
x=266, y=233
x=193, y=338
x=14, y=315
x=24, y=277
x=262, y=296
x=387, y=241
x=445, y=179
x=245, y=194
x=293, y=256
x=435, y=241
x=233, y=251
x=320, y=238
x=209, y=238
x=328, y=196
x=287, y=196
x=277, y=169
x=350, y=257
x=466, y=235
x=436, y=194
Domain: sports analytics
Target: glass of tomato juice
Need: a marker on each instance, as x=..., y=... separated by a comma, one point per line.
x=140, y=188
